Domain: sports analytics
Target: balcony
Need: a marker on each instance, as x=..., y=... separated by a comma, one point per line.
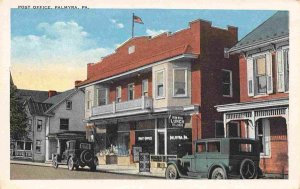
x=143, y=104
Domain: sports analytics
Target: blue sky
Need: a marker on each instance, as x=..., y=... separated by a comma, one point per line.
x=57, y=39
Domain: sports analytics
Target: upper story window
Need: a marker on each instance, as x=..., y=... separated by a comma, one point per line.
x=145, y=87
x=102, y=96
x=219, y=129
x=64, y=124
x=283, y=70
x=29, y=124
x=39, y=125
x=69, y=105
x=227, y=83
x=180, y=82
x=118, y=94
x=130, y=89
x=159, y=80
x=89, y=100
x=259, y=74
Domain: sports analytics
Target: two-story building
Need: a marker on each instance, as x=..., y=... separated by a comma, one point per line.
x=132, y=95
x=264, y=91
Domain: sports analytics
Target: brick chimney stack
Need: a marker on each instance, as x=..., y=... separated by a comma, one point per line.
x=51, y=93
x=77, y=82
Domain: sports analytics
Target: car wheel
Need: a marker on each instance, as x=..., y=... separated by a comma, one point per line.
x=248, y=169
x=54, y=163
x=93, y=168
x=86, y=157
x=171, y=172
x=71, y=164
x=218, y=173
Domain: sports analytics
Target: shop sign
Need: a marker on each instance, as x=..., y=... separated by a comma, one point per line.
x=144, y=162
x=144, y=138
x=176, y=121
x=179, y=137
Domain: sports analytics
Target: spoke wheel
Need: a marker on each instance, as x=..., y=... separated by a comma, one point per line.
x=218, y=173
x=171, y=172
x=71, y=164
x=248, y=169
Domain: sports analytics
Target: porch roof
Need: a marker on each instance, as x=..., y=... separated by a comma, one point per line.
x=253, y=105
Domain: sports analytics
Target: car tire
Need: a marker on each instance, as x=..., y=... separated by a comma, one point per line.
x=171, y=172
x=248, y=169
x=218, y=173
x=71, y=164
x=93, y=168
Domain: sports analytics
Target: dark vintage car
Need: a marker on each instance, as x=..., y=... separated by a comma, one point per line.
x=77, y=153
x=218, y=158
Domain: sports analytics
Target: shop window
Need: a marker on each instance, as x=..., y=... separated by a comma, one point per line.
x=159, y=78
x=227, y=82
x=180, y=82
x=64, y=124
x=145, y=87
x=118, y=94
x=219, y=129
x=283, y=70
x=123, y=143
x=102, y=96
x=213, y=147
x=200, y=147
x=69, y=105
x=130, y=91
x=146, y=140
x=39, y=125
x=161, y=123
x=263, y=135
x=38, y=146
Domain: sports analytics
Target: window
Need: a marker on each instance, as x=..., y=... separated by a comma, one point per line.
x=261, y=75
x=159, y=78
x=263, y=135
x=227, y=82
x=233, y=129
x=89, y=100
x=123, y=143
x=283, y=70
x=69, y=105
x=180, y=82
x=200, y=147
x=20, y=145
x=102, y=96
x=130, y=91
x=145, y=87
x=39, y=125
x=29, y=124
x=38, y=146
x=219, y=128
x=213, y=146
x=28, y=145
x=118, y=93
x=64, y=124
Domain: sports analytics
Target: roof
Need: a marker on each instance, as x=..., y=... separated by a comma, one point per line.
x=274, y=28
x=37, y=108
x=37, y=96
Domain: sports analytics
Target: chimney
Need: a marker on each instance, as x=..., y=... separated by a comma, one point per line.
x=77, y=82
x=234, y=31
x=51, y=93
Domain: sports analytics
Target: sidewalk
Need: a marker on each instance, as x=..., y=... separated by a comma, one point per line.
x=117, y=169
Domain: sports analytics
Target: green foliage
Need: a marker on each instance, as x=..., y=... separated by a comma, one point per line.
x=18, y=117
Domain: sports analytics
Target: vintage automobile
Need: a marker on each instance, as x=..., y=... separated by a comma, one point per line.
x=218, y=158
x=77, y=153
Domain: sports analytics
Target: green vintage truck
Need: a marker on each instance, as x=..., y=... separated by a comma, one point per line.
x=218, y=158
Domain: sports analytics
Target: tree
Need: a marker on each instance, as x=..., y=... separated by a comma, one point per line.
x=18, y=117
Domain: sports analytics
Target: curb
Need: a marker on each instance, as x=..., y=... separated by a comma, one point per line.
x=98, y=169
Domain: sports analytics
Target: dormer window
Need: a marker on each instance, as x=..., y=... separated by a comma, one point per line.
x=131, y=49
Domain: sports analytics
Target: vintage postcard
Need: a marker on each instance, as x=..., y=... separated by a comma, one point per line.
x=129, y=93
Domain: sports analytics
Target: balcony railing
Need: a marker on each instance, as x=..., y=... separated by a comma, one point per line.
x=21, y=153
x=142, y=103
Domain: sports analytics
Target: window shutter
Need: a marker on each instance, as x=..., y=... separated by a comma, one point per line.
x=269, y=73
x=267, y=137
x=280, y=71
x=250, y=82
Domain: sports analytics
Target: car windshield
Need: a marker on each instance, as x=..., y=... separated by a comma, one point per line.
x=243, y=147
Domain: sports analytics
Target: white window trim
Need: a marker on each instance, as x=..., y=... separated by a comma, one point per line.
x=164, y=85
x=132, y=91
x=118, y=87
x=106, y=95
x=67, y=101
x=285, y=48
x=37, y=124
x=185, y=72
x=147, y=90
x=89, y=100
x=60, y=124
x=230, y=72
x=218, y=121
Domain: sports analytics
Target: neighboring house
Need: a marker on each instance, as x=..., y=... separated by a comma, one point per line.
x=51, y=121
x=264, y=91
x=133, y=94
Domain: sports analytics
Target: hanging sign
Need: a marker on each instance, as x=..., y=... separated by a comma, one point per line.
x=176, y=121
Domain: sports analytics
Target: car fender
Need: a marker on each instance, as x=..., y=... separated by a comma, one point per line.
x=177, y=166
x=213, y=166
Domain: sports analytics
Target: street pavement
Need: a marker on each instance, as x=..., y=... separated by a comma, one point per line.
x=32, y=172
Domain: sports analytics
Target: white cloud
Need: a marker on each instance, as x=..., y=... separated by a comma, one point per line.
x=154, y=32
x=117, y=24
